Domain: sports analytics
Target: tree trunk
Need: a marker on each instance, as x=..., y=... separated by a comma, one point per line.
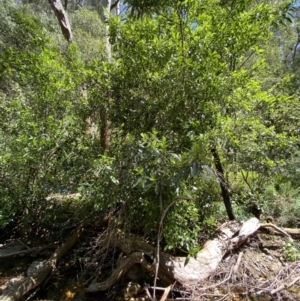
x=62, y=17
x=223, y=184
x=104, y=130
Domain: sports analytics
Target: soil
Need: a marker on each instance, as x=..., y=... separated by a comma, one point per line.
x=257, y=271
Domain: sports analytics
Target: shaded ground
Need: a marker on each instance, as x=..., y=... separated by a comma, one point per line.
x=258, y=270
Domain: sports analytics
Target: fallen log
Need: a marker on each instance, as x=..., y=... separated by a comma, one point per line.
x=229, y=236
x=6, y=254
x=22, y=287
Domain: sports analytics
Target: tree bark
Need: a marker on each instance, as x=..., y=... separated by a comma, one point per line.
x=104, y=130
x=223, y=184
x=62, y=17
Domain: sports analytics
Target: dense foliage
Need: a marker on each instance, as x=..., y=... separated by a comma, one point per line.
x=201, y=101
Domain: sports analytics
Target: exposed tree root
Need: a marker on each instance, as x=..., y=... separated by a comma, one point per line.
x=120, y=271
x=230, y=236
x=281, y=231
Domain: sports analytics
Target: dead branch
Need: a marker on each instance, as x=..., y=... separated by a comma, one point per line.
x=166, y=293
x=270, y=225
x=282, y=287
x=35, y=251
x=126, y=263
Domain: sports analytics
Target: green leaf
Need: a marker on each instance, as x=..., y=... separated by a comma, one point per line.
x=208, y=170
x=194, y=169
x=138, y=182
x=187, y=259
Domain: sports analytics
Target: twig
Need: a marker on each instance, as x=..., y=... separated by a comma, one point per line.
x=235, y=268
x=245, y=178
x=157, y=288
x=32, y=250
x=160, y=229
x=157, y=260
x=213, y=286
x=33, y=294
x=280, y=288
x=213, y=295
x=166, y=293
x=148, y=293
x=18, y=240
x=223, y=298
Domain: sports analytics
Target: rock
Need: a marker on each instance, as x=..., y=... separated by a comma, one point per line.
x=131, y=290
x=34, y=267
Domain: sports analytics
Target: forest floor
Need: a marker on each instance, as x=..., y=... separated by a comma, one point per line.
x=262, y=268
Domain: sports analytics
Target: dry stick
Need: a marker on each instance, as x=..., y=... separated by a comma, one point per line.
x=18, y=240
x=212, y=295
x=157, y=288
x=166, y=293
x=269, y=225
x=215, y=285
x=292, y=272
x=283, y=286
x=32, y=250
x=235, y=268
x=274, y=282
x=280, y=288
x=193, y=292
x=157, y=245
x=148, y=293
x=223, y=298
